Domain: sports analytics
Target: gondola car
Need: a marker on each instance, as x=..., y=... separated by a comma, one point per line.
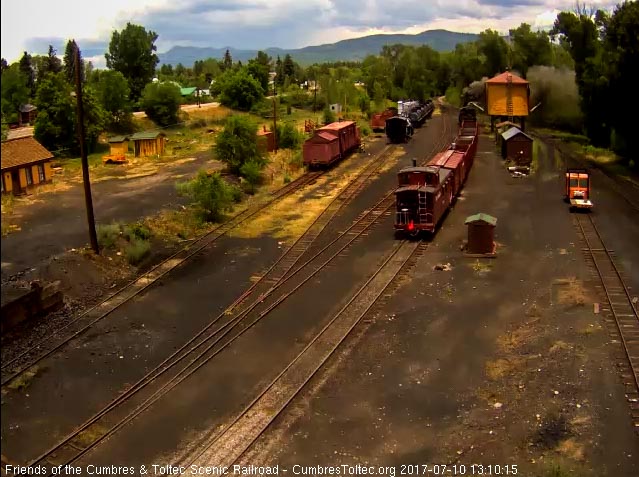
x=399, y=129
x=378, y=120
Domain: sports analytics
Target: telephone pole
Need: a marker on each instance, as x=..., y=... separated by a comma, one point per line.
x=274, y=116
x=83, y=153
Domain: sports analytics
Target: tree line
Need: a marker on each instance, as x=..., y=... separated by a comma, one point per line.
x=588, y=59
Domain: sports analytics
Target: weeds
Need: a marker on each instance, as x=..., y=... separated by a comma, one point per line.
x=137, y=250
x=108, y=235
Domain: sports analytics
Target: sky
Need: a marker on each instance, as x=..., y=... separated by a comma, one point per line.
x=32, y=25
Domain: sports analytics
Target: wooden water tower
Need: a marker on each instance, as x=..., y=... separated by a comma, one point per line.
x=507, y=99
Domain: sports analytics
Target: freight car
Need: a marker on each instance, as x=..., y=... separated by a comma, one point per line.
x=398, y=129
x=331, y=143
x=378, y=120
x=425, y=194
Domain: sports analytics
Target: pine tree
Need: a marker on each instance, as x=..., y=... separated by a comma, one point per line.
x=228, y=61
x=26, y=68
x=69, y=62
x=54, y=65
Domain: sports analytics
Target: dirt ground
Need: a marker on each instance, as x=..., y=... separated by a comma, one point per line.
x=494, y=362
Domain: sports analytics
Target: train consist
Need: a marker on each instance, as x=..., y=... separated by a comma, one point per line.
x=425, y=194
x=410, y=114
x=331, y=143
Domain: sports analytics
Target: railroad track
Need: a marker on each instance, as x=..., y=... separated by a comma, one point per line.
x=74, y=328
x=622, y=317
x=227, y=321
x=231, y=325
x=226, y=446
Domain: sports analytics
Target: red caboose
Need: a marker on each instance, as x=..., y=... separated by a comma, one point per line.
x=331, y=143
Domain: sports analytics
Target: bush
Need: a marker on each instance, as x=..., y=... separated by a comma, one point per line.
x=137, y=250
x=161, y=103
x=198, y=123
x=365, y=130
x=297, y=161
x=237, y=143
x=137, y=231
x=108, y=235
x=252, y=172
x=239, y=90
x=211, y=194
x=329, y=116
x=288, y=137
x=453, y=96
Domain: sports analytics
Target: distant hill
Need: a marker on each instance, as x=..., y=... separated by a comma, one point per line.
x=345, y=50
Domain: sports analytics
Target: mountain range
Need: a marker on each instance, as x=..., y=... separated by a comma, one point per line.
x=355, y=49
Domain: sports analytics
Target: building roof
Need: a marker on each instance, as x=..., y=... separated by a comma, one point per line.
x=481, y=217
x=265, y=133
x=22, y=151
x=115, y=139
x=337, y=125
x=147, y=135
x=503, y=79
x=187, y=91
x=27, y=108
x=512, y=132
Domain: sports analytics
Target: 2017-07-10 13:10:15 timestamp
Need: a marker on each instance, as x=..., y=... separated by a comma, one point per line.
x=459, y=469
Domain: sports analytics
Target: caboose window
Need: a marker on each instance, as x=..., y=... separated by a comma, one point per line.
x=583, y=183
x=574, y=183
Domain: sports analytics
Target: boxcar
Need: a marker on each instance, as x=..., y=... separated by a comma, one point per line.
x=331, y=143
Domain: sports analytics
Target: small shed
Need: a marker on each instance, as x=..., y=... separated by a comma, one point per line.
x=481, y=235
x=28, y=113
x=149, y=143
x=265, y=140
x=517, y=146
x=119, y=145
x=336, y=108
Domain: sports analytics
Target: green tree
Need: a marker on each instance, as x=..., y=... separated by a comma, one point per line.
x=14, y=93
x=237, y=143
x=161, y=103
x=621, y=45
x=69, y=62
x=251, y=171
x=210, y=193
x=239, y=90
x=26, y=68
x=3, y=65
x=54, y=63
x=530, y=48
x=113, y=92
x=259, y=68
x=132, y=53
x=495, y=50
x=288, y=137
x=227, y=62
x=55, y=125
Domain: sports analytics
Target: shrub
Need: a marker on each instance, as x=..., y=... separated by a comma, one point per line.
x=210, y=194
x=161, y=103
x=453, y=96
x=297, y=161
x=137, y=231
x=252, y=172
x=329, y=116
x=108, y=235
x=288, y=137
x=198, y=123
x=237, y=143
x=365, y=130
x=137, y=250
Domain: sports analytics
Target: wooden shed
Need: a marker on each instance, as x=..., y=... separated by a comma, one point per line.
x=265, y=140
x=517, y=146
x=507, y=97
x=28, y=113
x=481, y=235
x=25, y=164
x=119, y=145
x=149, y=143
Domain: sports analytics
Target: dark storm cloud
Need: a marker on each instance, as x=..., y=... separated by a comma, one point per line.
x=89, y=48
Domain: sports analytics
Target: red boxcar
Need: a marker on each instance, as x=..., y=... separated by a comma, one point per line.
x=331, y=143
x=378, y=120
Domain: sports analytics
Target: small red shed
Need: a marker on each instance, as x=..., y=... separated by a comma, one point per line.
x=265, y=140
x=481, y=234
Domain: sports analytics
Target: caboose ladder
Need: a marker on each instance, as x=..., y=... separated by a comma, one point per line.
x=421, y=209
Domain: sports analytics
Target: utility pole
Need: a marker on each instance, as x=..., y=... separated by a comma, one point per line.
x=274, y=116
x=83, y=153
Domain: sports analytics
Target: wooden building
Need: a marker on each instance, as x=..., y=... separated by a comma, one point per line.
x=150, y=143
x=265, y=140
x=517, y=146
x=481, y=235
x=25, y=164
x=28, y=113
x=119, y=145
x=507, y=98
